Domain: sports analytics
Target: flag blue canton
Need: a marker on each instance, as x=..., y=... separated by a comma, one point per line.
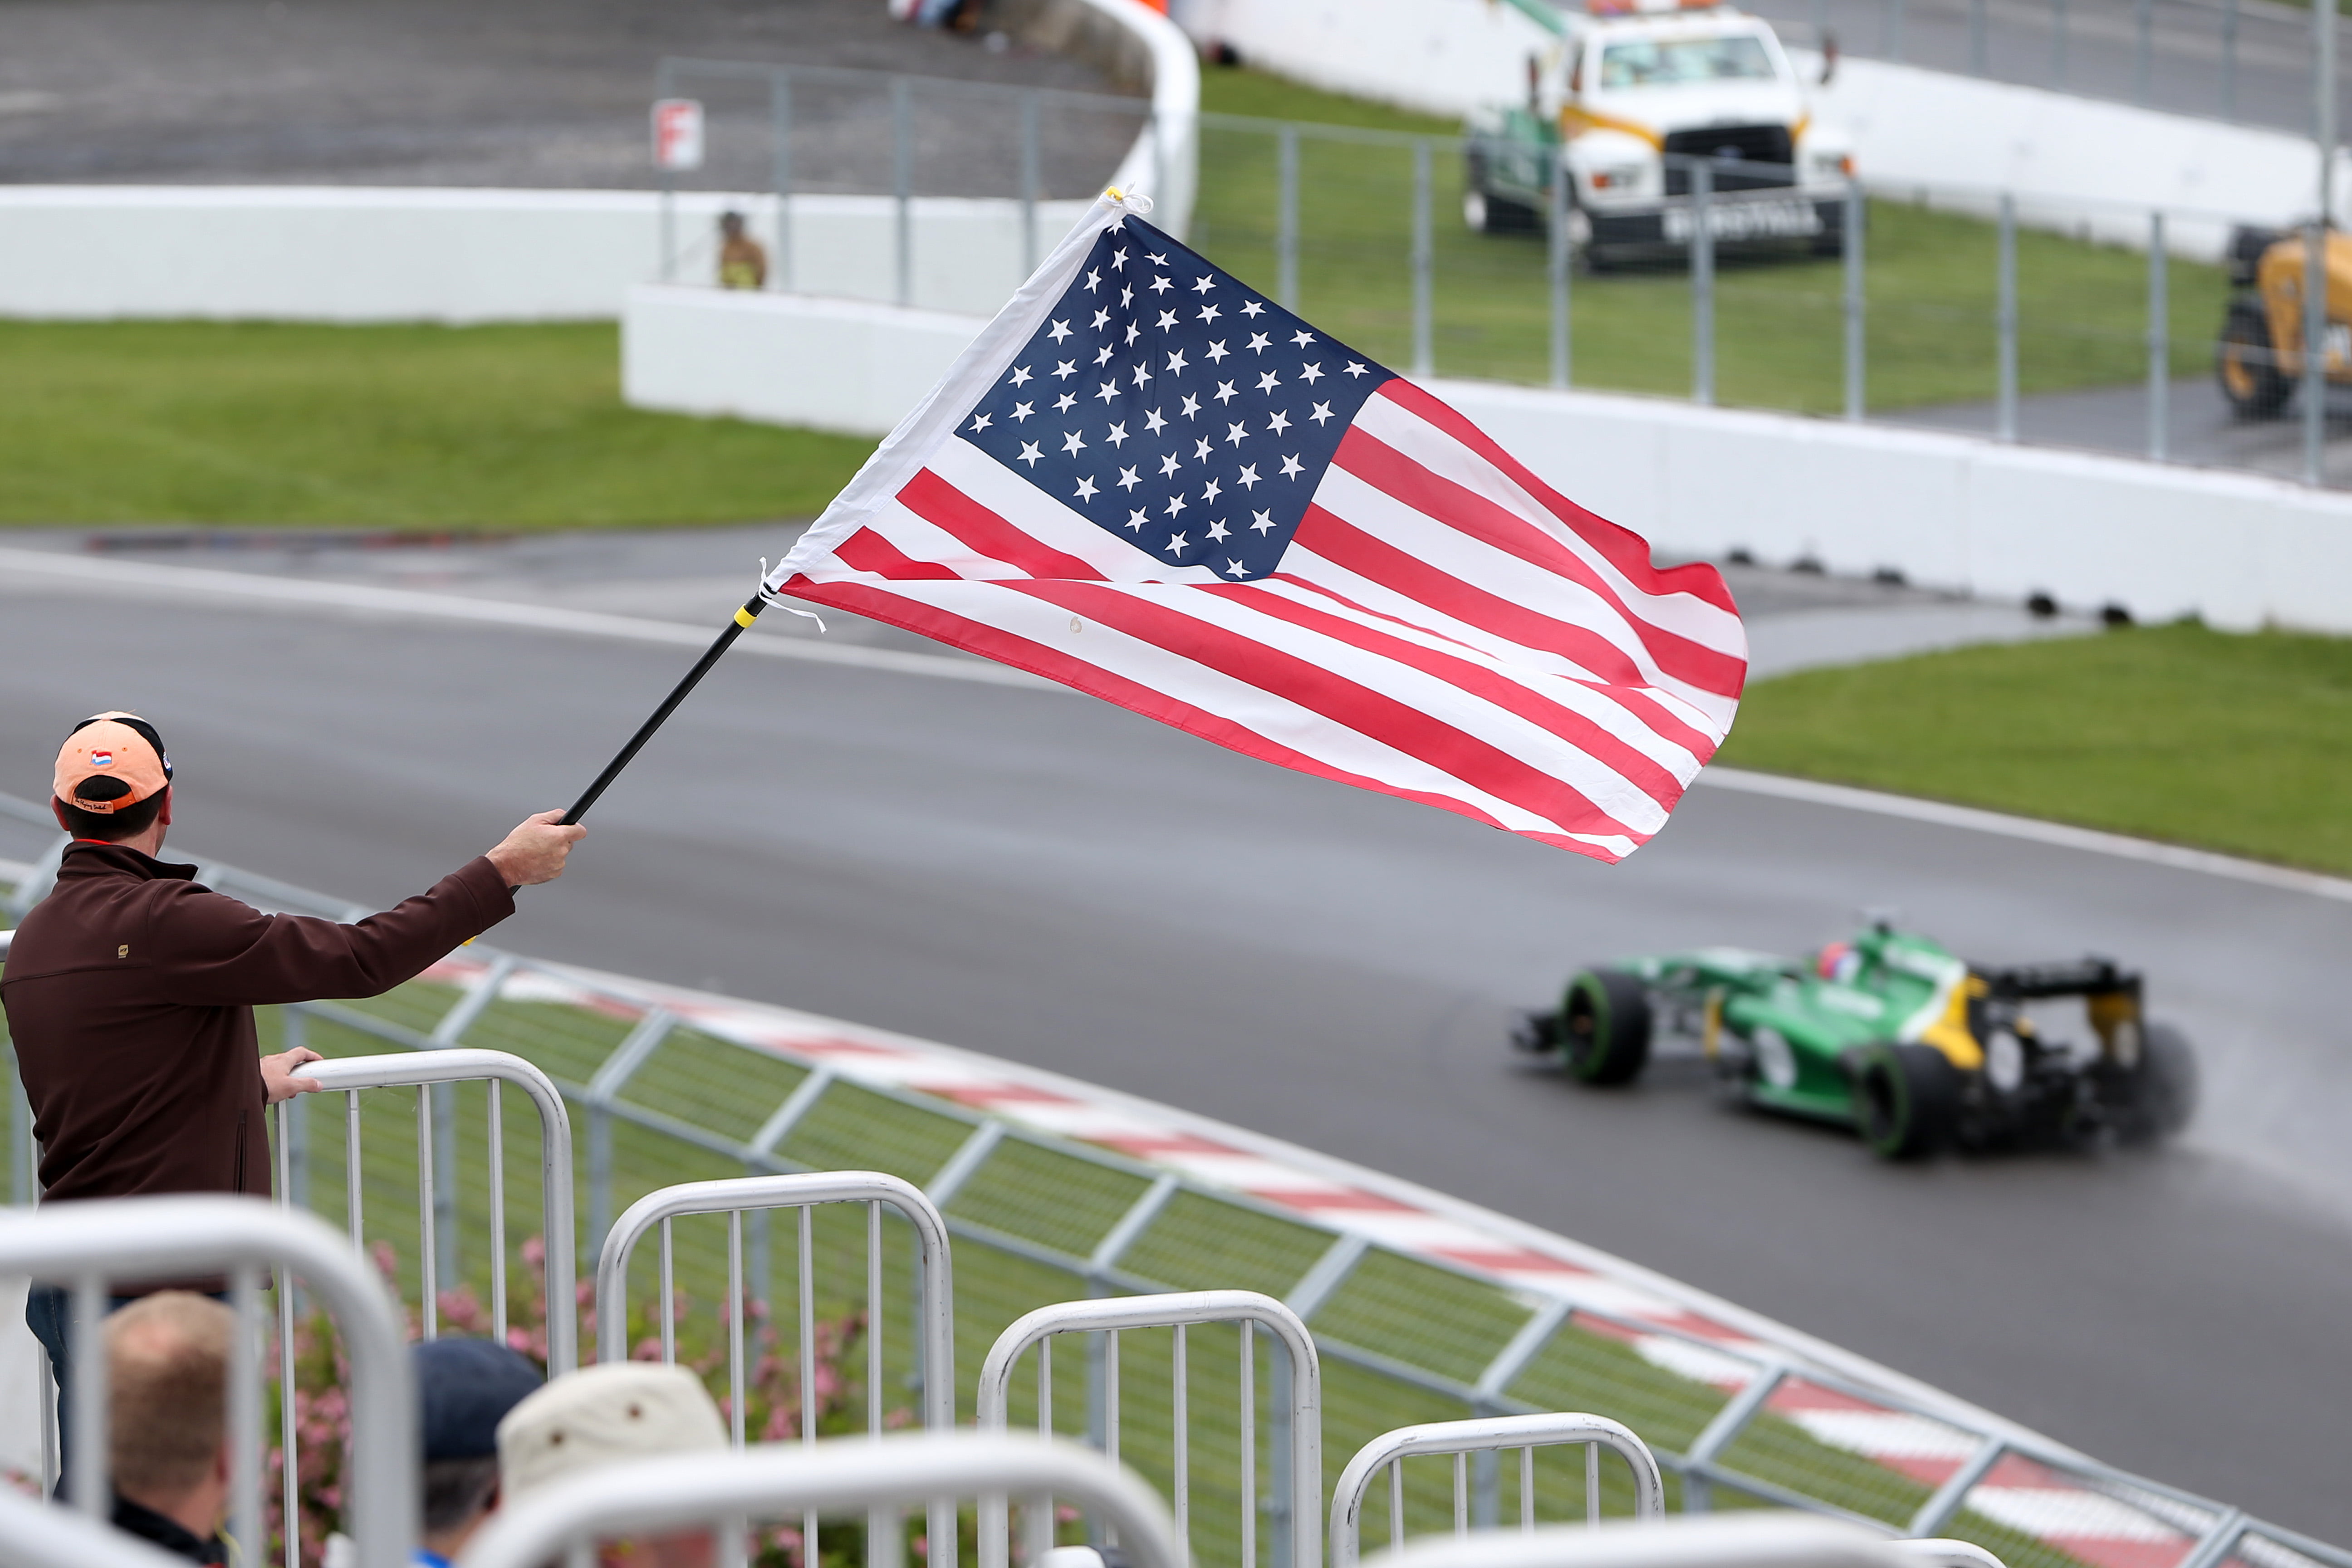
x=1174, y=407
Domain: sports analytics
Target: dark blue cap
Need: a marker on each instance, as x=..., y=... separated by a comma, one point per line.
x=465, y=1388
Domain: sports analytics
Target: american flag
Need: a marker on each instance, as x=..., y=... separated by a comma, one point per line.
x=1148, y=482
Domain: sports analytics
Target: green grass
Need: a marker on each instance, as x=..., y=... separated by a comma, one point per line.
x=2234, y=742
x=1779, y=343
x=382, y=426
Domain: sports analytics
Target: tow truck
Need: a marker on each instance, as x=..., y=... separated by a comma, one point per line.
x=1632, y=96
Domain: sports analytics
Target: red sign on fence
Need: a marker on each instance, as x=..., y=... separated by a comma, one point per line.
x=677, y=133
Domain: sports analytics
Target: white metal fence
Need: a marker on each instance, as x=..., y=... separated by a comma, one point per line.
x=1767, y=1540
x=87, y=1244
x=780, y=1481
x=1460, y=1440
x=1299, y=1427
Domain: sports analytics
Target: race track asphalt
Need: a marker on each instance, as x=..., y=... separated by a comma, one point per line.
x=1054, y=880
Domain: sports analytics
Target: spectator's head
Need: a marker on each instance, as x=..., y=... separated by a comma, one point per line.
x=609, y=1414
x=465, y=1388
x=167, y=1409
x=730, y=224
x=113, y=779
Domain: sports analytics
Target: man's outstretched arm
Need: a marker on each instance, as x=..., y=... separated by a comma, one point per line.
x=217, y=951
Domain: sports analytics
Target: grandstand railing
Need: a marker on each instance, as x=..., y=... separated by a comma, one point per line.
x=1300, y=1428
x=784, y=1480
x=1754, y=1541
x=1460, y=1440
x=86, y=1245
x=935, y=1301
x=1752, y=1445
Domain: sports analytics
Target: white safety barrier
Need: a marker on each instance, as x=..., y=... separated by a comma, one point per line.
x=779, y=1482
x=1302, y=1460
x=1942, y=1554
x=1750, y=1541
x=1460, y=1439
x=87, y=1244
x=935, y=1296
x=35, y=1535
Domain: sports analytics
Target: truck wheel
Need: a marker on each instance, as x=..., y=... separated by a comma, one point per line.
x=2155, y=1097
x=2247, y=366
x=1907, y=1100
x=1493, y=215
x=1604, y=1027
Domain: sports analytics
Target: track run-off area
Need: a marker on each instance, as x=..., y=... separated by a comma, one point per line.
x=1028, y=873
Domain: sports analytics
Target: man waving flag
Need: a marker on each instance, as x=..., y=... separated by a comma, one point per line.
x=1147, y=481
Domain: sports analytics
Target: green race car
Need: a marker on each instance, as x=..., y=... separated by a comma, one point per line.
x=1891, y=1034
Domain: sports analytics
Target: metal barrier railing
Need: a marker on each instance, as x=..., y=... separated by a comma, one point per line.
x=843, y=1475
x=1944, y=1554
x=1753, y=1541
x=1460, y=1439
x=935, y=1298
x=35, y=1535
x=88, y=1244
x=1298, y=1460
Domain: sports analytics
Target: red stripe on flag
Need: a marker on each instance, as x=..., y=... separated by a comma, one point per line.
x=1625, y=550
x=1369, y=712
x=1351, y=548
x=1448, y=504
x=1644, y=773
x=866, y=551
x=973, y=636
x=939, y=503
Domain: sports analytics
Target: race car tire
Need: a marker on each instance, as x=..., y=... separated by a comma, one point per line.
x=2246, y=366
x=1907, y=1100
x=2155, y=1099
x=1605, y=1027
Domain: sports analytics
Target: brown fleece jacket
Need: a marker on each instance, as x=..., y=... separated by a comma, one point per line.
x=129, y=992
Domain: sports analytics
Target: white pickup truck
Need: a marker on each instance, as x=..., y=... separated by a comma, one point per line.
x=1638, y=91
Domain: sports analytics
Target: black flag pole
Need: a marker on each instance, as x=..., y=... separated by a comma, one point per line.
x=725, y=640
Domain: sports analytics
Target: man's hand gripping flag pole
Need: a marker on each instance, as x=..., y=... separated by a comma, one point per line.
x=1148, y=482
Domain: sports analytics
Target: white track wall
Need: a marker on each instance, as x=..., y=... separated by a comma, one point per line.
x=2080, y=161
x=362, y=254
x=1949, y=512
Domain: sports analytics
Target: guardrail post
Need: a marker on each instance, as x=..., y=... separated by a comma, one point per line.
x=664, y=86
x=1286, y=217
x=2058, y=30
x=2159, y=343
x=1030, y=179
x=1978, y=63
x=2005, y=322
x=1890, y=31
x=902, y=184
x=2314, y=352
x=1424, y=263
x=1702, y=279
x=1561, y=262
x=1857, y=215
x=780, y=120
x=1698, y=1493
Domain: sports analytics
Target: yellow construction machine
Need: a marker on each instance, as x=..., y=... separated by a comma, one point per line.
x=2260, y=359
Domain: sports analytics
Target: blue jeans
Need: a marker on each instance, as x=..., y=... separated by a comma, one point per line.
x=48, y=1312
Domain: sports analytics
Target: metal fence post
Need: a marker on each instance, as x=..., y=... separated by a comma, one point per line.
x=1562, y=263
x=1890, y=31
x=780, y=119
x=1030, y=179
x=664, y=86
x=2159, y=343
x=24, y=1183
x=2058, y=43
x=1856, y=215
x=1702, y=279
x=2005, y=321
x=2144, y=51
x=600, y=1176
x=1286, y=218
x=902, y=183
x=1978, y=63
x=2229, y=60
x=444, y=1187
x=1423, y=264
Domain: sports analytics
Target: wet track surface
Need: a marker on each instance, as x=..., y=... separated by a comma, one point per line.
x=1054, y=880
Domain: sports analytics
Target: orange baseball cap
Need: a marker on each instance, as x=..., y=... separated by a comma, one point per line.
x=111, y=761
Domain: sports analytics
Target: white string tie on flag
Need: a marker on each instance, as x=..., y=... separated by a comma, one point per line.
x=768, y=596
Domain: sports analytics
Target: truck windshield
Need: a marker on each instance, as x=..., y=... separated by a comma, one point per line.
x=1663, y=62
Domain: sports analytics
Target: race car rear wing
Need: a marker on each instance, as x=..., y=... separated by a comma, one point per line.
x=2078, y=977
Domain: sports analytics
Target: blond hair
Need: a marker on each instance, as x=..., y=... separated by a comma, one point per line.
x=167, y=1405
